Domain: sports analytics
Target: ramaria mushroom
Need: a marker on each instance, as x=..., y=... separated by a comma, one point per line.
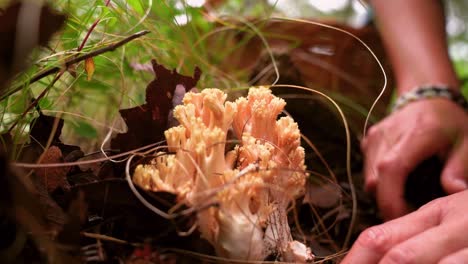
x=253, y=184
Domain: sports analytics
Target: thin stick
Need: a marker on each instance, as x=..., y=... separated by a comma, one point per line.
x=91, y=30
x=36, y=101
x=88, y=34
x=75, y=60
x=110, y=239
x=83, y=162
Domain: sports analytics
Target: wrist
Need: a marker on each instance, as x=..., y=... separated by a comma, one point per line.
x=446, y=80
x=431, y=91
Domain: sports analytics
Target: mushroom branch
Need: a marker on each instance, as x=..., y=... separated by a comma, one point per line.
x=253, y=184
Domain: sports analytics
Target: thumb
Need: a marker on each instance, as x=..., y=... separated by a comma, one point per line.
x=455, y=174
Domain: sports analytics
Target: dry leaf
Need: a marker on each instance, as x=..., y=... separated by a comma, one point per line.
x=42, y=128
x=89, y=68
x=53, y=178
x=147, y=123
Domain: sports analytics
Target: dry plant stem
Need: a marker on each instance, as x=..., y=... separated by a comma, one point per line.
x=77, y=163
x=326, y=230
x=110, y=239
x=49, y=140
x=320, y=156
x=228, y=26
x=36, y=101
x=365, y=45
x=214, y=259
x=75, y=60
x=348, y=152
x=348, y=157
x=84, y=117
x=93, y=26
x=267, y=47
x=140, y=197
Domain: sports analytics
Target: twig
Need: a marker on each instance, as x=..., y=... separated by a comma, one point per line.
x=75, y=60
x=36, y=101
x=111, y=239
x=91, y=30
x=88, y=34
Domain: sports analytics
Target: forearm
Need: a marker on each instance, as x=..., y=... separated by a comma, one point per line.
x=414, y=35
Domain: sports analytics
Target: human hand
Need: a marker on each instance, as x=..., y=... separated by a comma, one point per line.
x=436, y=233
x=396, y=145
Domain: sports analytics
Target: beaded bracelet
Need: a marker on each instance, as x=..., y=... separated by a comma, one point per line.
x=430, y=91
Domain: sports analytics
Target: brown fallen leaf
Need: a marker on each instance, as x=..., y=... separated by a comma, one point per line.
x=42, y=128
x=48, y=180
x=21, y=203
x=146, y=123
x=55, y=177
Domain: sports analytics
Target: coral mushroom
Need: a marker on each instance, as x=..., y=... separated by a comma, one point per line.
x=253, y=184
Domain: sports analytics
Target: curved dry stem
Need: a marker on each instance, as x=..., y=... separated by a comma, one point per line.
x=87, y=118
x=84, y=162
x=110, y=239
x=108, y=136
x=348, y=156
x=137, y=194
x=318, y=153
x=214, y=259
x=322, y=218
x=360, y=41
x=188, y=232
x=267, y=47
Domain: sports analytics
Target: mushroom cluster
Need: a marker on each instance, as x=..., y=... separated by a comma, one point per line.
x=253, y=183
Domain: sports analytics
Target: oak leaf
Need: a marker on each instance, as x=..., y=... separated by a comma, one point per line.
x=146, y=123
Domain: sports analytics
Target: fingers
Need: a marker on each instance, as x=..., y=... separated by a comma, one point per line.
x=396, y=165
x=398, y=144
x=455, y=174
x=460, y=256
x=374, y=242
x=390, y=189
x=373, y=146
x=430, y=246
x=428, y=235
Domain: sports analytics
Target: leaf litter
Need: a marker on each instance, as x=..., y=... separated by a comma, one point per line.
x=107, y=207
